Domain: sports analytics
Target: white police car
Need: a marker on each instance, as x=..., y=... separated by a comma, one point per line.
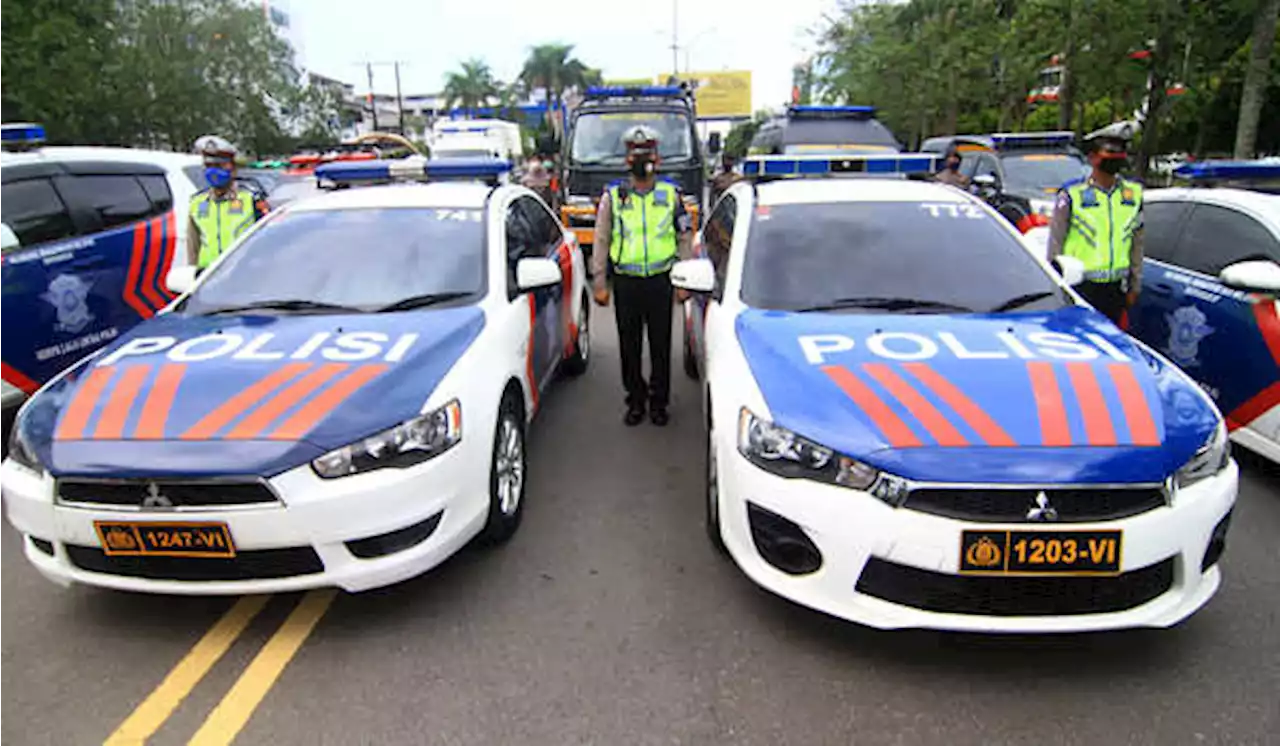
x=341, y=400
x=914, y=422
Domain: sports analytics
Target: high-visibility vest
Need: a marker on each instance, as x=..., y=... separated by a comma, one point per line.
x=221, y=221
x=644, y=231
x=1102, y=228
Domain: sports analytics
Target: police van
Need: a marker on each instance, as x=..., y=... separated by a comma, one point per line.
x=88, y=236
x=824, y=130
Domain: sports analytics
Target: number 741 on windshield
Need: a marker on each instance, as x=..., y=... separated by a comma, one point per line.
x=952, y=210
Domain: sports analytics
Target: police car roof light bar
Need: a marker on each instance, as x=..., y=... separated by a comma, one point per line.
x=349, y=173
x=830, y=112
x=646, y=90
x=893, y=164
x=19, y=135
x=1229, y=170
x=1004, y=140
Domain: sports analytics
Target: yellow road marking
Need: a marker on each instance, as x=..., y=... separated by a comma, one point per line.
x=160, y=704
x=235, y=709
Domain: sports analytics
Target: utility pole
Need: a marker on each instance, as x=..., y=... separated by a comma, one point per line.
x=399, y=100
x=675, y=38
x=373, y=105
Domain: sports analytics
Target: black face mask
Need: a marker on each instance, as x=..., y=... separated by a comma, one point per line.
x=953, y=165
x=1112, y=166
x=641, y=168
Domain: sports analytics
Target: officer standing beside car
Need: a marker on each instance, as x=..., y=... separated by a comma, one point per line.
x=225, y=210
x=642, y=228
x=1098, y=220
x=950, y=173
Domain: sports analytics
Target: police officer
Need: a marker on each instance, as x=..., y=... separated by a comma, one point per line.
x=1098, y=220
x=224, y=211
x=724, y=178
x=641, y=229
x=950, y=173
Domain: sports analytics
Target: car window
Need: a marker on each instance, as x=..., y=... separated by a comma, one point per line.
x=987, y=165
x=365, y=258
x=817, y=133
x=945, y=254
x=113, y=199
x=35, y=212
x=1042, y=172
x=195, y=173
x=1217, y=237
x=157, y=190
x=1162, y=224
x=717, y=237
x=546, y=230
x=521, y=234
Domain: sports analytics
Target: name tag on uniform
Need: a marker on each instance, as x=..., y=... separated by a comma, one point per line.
x=1126, y=196
x=237, y=205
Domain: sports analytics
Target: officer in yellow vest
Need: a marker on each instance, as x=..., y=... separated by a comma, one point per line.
x=224, y=211
x=1098, y=220
x=642, y=228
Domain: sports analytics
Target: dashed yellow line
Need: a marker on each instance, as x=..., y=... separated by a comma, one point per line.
x=235, y=709
x=147, y=718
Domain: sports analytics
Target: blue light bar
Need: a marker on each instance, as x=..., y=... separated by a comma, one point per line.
x=1032, y=139
x=646, y=90
x=832, y=109
x=411, y=169
x=1208, y=170
x=825, y=165
x=21, y=132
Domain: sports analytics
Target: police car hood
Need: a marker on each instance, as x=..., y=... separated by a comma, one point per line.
x=1042, y=397
x=243, y=395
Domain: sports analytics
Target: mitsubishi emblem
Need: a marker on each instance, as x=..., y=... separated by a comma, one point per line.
x=154, y=499
x=1042, y=511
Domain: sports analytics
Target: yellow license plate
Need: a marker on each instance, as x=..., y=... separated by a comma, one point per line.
x=1040, y=552
x=165, y=539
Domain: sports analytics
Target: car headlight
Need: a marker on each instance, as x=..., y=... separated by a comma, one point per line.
x=423, y=437
x=1211, y=459
x=781, y=452
x=21, y=452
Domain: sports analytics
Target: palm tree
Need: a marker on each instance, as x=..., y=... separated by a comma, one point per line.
x=471, y=87
x=552, y=68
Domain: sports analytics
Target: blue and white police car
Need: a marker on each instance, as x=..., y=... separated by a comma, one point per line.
x=912, y=421
x=1210, y=281
x=340, y=400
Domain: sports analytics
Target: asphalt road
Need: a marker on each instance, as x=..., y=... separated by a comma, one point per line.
x=610, y=620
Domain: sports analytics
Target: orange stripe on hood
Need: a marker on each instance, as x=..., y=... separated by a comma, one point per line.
x=120, y=402
x=258, y=420
x=1054, y=430
x=155, y=410
x=302, y=421
x=934, y=421
x=1098, y=427
x=970, y=412
x=241, y=402
x=1137, y=410
x=889, y=423
x=76, y=416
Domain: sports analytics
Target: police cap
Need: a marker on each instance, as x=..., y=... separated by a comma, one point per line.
x=1112, y=137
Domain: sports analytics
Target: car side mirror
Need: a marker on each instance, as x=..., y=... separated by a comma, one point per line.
x=1257, y=275
x=8, y=239
x=537, y=272
x=181, y=279
x=1070, y=268
x=694, y=275
x=987, y=182
x=713, y=143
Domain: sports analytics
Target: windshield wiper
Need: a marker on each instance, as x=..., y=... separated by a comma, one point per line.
x=1023, y=300
x=296, y=304
x=419, y=301
x=884, y=304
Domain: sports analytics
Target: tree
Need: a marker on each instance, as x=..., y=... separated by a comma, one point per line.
x=552, y=68
x=1255, y=82
x=470, y=87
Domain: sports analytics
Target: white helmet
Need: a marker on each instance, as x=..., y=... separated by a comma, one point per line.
x=640, y=138
x=213, y=145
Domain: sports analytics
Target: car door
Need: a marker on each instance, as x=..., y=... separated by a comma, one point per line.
x=549, y=243
x=1226, y=339
x=715, y=240
x=1162, y=231
x=524, y=239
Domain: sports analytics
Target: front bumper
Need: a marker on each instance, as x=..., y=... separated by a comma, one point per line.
x=867, y=552
x=355, y=533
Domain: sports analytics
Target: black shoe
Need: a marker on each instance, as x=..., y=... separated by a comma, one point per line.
x=633, y=416
x=659, y=416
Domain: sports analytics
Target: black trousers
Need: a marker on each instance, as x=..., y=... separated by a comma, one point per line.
x=1108, y=297
x=643, y=305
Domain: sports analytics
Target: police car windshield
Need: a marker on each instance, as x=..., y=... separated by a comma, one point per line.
x=890, y=257
x=1042, y=172
x=833, y=135
x=597, y=136
x=362, y=258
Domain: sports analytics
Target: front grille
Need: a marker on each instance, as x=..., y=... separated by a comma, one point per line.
x=251, y=565
x=1011, y=595
x=1074, y=505
x=143, y=493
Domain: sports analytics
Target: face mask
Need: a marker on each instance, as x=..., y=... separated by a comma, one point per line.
x=217, y=177
x=953, y=165
x=1112, y=165
x=641, y=168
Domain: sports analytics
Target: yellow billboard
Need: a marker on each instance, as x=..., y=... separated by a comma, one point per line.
x=722, y=94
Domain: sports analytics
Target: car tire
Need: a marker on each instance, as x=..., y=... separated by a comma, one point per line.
x=507, y=476
x=711, y=492
x=576, y=363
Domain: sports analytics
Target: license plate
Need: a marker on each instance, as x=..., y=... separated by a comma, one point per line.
x=1040, y=552
x=169, y=539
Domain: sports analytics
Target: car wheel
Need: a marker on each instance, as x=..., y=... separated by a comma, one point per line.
x=506, y=476
x=576, y=363
x=712, y=492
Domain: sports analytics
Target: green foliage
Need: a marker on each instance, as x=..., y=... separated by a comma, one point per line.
x=470, y=87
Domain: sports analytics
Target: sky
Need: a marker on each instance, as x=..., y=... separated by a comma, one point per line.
x=430, y=37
